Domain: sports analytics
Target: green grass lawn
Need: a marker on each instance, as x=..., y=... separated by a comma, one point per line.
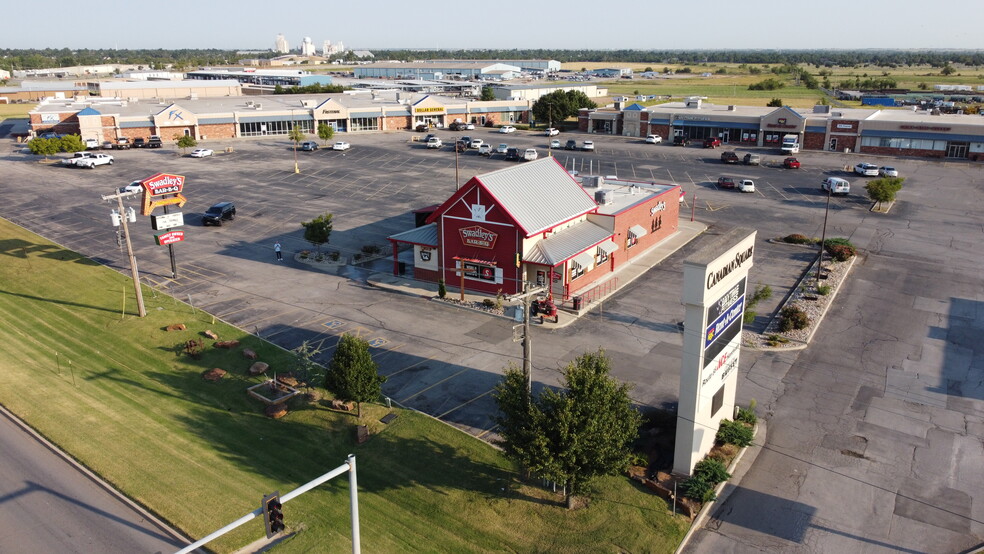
x=119, y=394
x=15, y=111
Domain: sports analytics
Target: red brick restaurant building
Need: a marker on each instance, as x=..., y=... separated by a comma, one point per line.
x=536, y=222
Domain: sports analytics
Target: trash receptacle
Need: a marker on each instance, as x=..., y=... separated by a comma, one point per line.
x=577, y=303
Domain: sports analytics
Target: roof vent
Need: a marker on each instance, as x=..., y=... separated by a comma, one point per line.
x=604, y=197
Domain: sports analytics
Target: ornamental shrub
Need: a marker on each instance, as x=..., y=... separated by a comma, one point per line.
x=841, y=252
x=747, y=415
x=442, y=289
x=792, y=317
x=712, y=470
x=796, y=238
x=698, y=489
x=734, y=432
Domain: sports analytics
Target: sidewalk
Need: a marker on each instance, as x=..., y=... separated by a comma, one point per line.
x=689, y=230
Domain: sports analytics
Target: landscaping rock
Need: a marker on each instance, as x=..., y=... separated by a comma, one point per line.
x=211, y=334
x=275, y=411
x=227, y=344
x=288, y=380
x=213, y=374
x=249, y=354
x=342, y=405
x=258, y=368
x=176, y=327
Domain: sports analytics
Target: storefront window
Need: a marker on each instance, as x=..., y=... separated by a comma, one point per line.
x=365, y=124
x=576, y=270
x=602, y=255
x=259, y=128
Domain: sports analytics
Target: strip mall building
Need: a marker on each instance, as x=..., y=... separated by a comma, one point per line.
x=867, y=131
x=234, y=117
x=568, y=234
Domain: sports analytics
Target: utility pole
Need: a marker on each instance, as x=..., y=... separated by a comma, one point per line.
x=526, y=296
x=129, y=251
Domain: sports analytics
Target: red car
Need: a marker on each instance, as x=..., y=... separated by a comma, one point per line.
x=791, y=163
x=712, y=142
x=726, y=182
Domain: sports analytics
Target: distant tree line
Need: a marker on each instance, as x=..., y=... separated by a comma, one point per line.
x=190, y=58
x=316, y=88
x=819, y=58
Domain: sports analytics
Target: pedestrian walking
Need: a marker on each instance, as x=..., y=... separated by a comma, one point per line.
x=276, y=248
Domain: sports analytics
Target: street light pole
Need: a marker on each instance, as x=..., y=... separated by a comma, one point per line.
x=823, y=236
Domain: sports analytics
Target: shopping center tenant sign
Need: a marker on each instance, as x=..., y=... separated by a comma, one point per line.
x=715, y=281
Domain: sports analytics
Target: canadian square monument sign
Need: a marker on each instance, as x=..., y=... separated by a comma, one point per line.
x=715, y=282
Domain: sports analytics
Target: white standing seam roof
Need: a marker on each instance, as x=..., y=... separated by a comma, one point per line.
x=538, y=195
x=570, y=242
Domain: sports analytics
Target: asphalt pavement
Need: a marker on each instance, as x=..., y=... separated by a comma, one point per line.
x=874, y=430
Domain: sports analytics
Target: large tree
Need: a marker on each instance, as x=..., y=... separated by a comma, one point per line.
x=318, y=230
x=352, y=373
x=71, y=143
x=574, y=435
x=487, y=93
x=559, y=105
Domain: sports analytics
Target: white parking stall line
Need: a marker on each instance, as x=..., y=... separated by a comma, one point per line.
x=775, y=188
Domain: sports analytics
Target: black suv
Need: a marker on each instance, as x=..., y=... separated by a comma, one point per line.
x=681, y=141
x=223, y=211
x=139, y=143
x=512, y=154
x=571, y=145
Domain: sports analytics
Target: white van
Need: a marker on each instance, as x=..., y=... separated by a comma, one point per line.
x=836, y=185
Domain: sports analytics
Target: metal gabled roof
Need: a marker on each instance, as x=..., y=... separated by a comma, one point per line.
x=538, y=195
x=568, y=243
x=424, y=236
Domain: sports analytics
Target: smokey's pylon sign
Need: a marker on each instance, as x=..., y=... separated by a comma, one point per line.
x=159, y=185
x=169, y=237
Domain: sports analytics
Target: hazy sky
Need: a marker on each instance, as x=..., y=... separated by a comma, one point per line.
x=562, y=24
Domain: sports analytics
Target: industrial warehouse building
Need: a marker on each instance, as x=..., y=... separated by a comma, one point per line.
x=436, y=70
x=865, y=130
x=571, y=235
x=218, y=118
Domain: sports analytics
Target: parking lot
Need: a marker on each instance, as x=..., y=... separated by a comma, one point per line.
x=448, y=367
x=874, y=430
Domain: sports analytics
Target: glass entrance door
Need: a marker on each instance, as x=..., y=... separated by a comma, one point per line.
x=956, y=150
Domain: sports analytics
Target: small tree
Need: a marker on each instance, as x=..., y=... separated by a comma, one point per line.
x=305, y=368
x=71, y=143
x=775, y=103
x=569, y=437
x=44, y=146
x=318, y=230
x=488, y=94
x=884, y=189
x=326, y=132
x=296, y=134
x=352, y=373
x=187, y=142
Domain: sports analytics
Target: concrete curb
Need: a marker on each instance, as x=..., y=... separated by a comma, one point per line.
x=143, y=512
x=723, y=490
x=816, y=324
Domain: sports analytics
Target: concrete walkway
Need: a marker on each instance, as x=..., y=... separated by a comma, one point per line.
x=625, y=274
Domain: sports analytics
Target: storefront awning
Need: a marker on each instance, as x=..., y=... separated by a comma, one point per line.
x=608, y=247
x=637, y=231
x=584, y=259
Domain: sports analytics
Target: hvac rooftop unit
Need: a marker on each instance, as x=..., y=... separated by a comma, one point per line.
x=258, y=106
x=249, y=103
x=604, y=197
x=592, y=181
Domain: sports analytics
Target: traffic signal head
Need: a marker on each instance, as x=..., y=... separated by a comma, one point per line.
x=273, y=514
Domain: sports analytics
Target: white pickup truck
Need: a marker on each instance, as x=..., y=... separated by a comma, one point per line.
x=76, y=157
x=92, y=160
